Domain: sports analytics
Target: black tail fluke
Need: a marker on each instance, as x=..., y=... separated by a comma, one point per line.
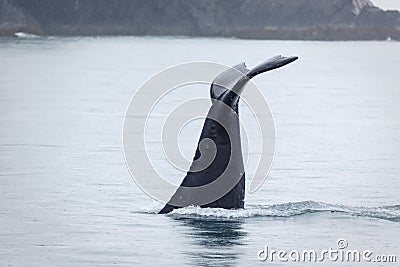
x=270, y=64
x=226, y=89
x=226, y=80
x=232, y=96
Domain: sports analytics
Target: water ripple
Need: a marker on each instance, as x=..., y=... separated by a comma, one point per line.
x=290, y=209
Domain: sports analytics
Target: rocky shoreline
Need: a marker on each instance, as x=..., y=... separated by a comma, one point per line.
x=249, y=19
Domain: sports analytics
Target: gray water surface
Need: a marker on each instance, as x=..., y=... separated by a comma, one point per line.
x=67, y=198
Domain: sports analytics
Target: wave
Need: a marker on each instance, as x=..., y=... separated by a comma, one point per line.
x=390, y=213
x=26, y=35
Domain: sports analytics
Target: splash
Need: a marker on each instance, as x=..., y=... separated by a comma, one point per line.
x=390, y=213
x=26, y=35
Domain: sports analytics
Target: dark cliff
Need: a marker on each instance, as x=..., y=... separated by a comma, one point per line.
x=263, y=19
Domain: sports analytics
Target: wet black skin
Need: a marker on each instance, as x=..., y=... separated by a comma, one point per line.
x=228, y=149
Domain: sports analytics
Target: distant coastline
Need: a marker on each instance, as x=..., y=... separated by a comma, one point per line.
x=246, y=19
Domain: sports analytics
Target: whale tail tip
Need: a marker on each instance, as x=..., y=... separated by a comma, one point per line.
x=229, y=78
x=271, y=64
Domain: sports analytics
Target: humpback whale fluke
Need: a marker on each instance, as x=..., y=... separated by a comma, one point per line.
x=221, y=127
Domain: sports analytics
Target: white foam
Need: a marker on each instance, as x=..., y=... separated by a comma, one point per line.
x=26, y=35
x=391, y=213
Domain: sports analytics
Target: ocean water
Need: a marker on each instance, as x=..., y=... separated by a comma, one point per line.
x=67, y=198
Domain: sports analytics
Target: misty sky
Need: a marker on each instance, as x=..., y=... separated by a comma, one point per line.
x=387, y=4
